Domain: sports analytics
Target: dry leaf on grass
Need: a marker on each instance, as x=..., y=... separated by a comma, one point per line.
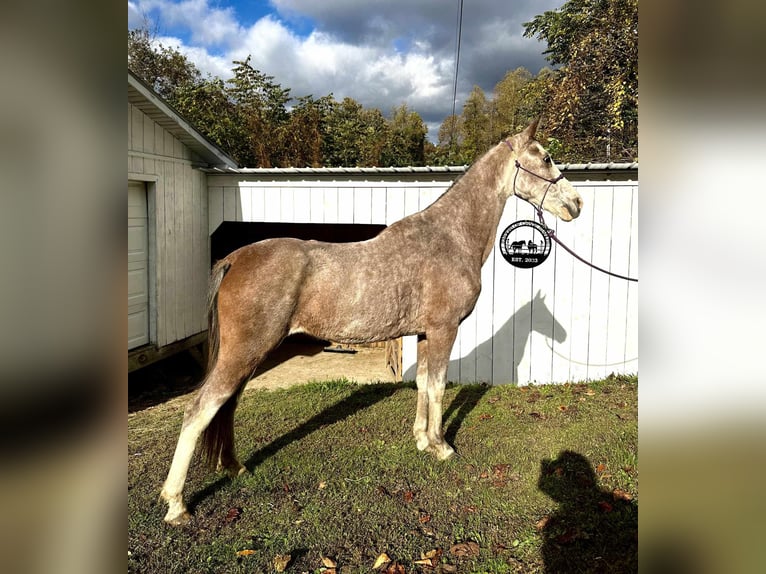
x=381, y=560
x=232, y=515
x=281, y=561
x=430, y=558
x=247, y=552
x=329, y=562
x=465, y=549
x=620, y=494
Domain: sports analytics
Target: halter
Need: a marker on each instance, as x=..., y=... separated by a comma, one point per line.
x=539, y=211
x=520, y=167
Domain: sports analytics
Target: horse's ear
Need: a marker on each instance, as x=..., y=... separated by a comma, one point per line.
x=529, y=133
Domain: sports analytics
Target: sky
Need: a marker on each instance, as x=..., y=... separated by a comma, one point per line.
x=382, y=53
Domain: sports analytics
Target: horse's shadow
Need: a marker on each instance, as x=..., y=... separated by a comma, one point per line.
x=507, y=347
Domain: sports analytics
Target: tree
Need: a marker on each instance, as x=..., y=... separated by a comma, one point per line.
x=510, y=103
x=405, y=144
x=475, y=125
x=164, y=69
x=594, y=102
x=303, y=135
x=261, y=105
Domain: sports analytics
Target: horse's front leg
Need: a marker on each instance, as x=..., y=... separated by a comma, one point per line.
x=439, y=346
x=421, y=377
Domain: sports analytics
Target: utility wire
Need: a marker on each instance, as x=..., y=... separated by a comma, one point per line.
x=459, y=34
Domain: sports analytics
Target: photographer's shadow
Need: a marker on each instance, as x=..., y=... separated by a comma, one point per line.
x=593, y=530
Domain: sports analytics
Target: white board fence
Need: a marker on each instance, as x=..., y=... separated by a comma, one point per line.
x=562, y=321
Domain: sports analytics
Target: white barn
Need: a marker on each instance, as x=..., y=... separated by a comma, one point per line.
x=168, y=243
x=189, y=204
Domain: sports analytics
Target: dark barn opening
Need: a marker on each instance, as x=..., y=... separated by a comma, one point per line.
x=232, y=235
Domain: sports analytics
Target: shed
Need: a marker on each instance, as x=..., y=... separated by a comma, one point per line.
x=168, y=240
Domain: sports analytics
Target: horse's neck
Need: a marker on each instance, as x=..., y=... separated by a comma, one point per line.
x=474, y=204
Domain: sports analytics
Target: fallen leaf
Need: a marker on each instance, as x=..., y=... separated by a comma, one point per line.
x=232, y=515
x=543, y=522
x=590, y=392
x=408, y=496
x=247, y=552
x=493, y=400
x=465, y=549
x=563, y=408
x=485, y=416
x=381, y=560
x=322, y=485
x=423, y=562
x=619, y=494
x=535, y=415
x=281, y=561
x=395, y=569
x=605, y=506
x=424, y=517
x=435, y=553
x=329, y=562
x=469, y=509
x=600, y=468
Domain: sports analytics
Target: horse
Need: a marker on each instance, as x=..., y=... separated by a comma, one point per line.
x=517, y=245
x=531, y=246
x=419, y=276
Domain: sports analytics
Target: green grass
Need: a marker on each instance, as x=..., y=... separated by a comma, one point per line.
x=546, y=480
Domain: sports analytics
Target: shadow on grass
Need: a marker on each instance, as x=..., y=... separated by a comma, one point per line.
x=464, y=402
x=593, y=530
x=363, y=397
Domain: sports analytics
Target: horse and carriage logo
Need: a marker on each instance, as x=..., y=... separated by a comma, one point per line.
x=525, y=244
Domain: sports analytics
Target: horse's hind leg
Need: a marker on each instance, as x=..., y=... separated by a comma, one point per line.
x=220, y=386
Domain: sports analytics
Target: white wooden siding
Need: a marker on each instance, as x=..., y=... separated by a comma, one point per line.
x=178, y=222
x=561, y=321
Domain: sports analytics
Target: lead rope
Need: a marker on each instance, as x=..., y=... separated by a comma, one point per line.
x=550, y=231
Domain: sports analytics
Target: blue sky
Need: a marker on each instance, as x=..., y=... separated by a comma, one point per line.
x=382, y=53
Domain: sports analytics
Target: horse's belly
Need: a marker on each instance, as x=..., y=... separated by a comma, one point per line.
x=356, y=316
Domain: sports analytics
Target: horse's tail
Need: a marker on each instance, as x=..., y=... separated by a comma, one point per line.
x=213, y=338
x=220, y=432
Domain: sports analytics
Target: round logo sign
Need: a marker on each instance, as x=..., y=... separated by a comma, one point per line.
x=525, y=244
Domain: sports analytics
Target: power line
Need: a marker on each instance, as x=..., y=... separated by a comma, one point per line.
x=459, y=34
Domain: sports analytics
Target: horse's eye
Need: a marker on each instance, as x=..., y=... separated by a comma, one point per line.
x=547, y=159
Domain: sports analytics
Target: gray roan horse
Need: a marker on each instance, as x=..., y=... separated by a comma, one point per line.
x=420, y=276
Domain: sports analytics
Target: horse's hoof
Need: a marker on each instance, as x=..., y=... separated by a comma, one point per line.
x=181, y=519
x=422, y=442
x=444, y=451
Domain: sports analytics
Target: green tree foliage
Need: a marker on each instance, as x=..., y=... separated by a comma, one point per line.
x=405, y=144
x=594, y=101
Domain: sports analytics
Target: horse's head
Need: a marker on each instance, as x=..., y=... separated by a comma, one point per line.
x=537, y=179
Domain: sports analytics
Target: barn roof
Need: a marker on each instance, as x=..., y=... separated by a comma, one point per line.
x=149, y=102
x=627, y=170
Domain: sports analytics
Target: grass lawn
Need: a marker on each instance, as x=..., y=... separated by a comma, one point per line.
x=546, y=480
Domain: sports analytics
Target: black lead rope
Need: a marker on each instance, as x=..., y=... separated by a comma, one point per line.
x=550, y=231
